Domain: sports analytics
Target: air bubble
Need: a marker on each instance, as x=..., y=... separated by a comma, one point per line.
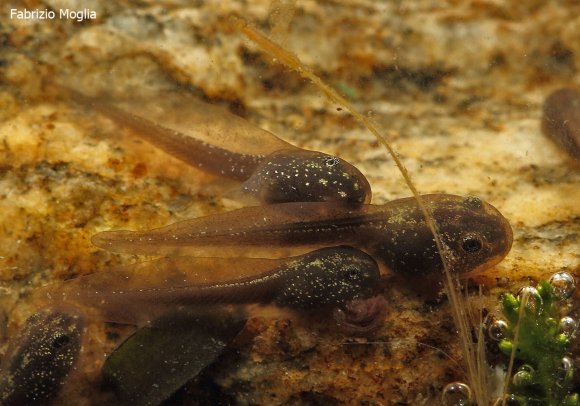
x=566, y=370
x=524, y=376
x=456, y=394
x=568, y=326
x=563, y=284
x=509, y=400
x=531, y=299
x=526, y=368
x=497, y=330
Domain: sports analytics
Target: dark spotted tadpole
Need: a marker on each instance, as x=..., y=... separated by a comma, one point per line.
x=159, y=359
x=223, y=144
x=561, y=120
x=327, y=278
x=192, y=308
x=40, y=358
x=394, y=234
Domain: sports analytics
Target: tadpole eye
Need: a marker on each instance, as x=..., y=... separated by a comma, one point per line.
x=351, y=272
x=331, y=161
x=471, y=244
x=60, y=341
x=474, y=202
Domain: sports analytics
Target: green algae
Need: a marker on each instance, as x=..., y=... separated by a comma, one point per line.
x=545, y=376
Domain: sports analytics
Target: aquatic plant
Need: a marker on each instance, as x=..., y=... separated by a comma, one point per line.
x=536, y=336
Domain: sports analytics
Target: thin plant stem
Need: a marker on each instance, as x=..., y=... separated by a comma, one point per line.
x=451, y=285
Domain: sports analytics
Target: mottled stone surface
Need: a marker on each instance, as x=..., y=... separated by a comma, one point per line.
x=458, y=85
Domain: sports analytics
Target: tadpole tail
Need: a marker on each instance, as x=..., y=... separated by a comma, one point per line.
x=194, y=152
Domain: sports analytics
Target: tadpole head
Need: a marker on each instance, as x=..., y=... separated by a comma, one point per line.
x=307, y=176
x=330, y=277
x=477, y=234
x=41, y=356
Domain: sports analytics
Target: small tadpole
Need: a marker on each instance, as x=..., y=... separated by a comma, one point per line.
x=561, y=120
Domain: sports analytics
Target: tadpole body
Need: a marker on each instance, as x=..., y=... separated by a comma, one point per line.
x=41, y=356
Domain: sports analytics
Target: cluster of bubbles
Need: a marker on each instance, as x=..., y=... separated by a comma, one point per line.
x=460, y=394
x=564, y=286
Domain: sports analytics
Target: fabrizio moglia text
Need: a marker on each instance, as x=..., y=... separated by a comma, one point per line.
x=47, y=14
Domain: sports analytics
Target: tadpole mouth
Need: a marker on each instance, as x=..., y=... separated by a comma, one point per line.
x=509, y=236
x=504, y=229
x=503, y=246
x=361, y=316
